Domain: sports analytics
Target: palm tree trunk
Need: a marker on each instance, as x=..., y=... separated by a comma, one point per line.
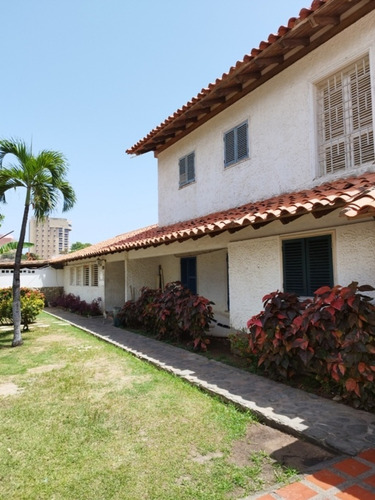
x=17, y=337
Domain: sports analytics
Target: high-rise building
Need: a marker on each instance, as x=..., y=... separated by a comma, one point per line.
x=50, y=237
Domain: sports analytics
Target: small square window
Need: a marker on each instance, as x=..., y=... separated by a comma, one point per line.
x=187, y=169
x=236, y=145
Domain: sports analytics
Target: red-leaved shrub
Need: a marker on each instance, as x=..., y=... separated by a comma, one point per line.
x=331, y=338
x=170, y=314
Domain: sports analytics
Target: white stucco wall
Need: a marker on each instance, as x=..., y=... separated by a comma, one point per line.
x=87, y=293
x=140, y=273
x=255, y=266
x=282, y=139
x=34, y=278
x=254, y=270
x=212, y=278
x=356, y=254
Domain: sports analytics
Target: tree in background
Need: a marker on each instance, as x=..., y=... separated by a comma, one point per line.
x=44, y=178
x=79, y=246
x=7, y=250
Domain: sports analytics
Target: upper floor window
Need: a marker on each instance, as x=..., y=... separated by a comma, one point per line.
x=187, y=169
x=236, y=146
x=345, y=121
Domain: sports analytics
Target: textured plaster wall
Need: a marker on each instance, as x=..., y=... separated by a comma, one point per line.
x=88, y=293
x=256, y=266
x=281, y=117
x=34, y=278
x=212, y=278
x=140, y=273
x=356, y=254
x=254, y=270
x=114, y=288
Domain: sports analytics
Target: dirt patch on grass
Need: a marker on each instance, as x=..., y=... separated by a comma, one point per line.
x=283, y=448
x=57, y=337
x=9, y=389
x=46, y=368
x=112, y=375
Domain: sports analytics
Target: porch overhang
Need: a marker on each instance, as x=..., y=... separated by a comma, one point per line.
x=354, y=197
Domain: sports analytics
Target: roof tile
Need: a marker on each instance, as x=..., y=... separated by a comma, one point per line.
x=159, y=136
x=355, y=196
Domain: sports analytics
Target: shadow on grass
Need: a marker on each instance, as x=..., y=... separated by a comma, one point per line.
x=6, y=337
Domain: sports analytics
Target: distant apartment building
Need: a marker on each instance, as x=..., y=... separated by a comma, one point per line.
x=50, y=237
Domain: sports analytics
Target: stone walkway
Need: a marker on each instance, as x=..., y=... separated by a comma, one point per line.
x=331, y=425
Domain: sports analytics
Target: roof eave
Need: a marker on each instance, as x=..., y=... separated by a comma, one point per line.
x=313, y=27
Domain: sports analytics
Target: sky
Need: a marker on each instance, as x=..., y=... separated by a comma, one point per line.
x=90, y=78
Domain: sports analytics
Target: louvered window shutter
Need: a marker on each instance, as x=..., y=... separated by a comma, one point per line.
x=236, y=144
x=190, y=167
x=187, y=169
x=229, y=148
x=242, y=150
x=294, y=266
x=360, y=96
x=307, y=264
x=183, y=173
x=319, y=259
x=345, y=120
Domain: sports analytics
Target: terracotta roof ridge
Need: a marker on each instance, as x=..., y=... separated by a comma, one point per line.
x=255, y=52
x=355, y=196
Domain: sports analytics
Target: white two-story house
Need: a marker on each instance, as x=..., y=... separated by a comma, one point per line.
x=266, y=178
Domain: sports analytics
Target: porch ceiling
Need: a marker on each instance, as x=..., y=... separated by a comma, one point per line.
x=355, y=196
x=313, y=27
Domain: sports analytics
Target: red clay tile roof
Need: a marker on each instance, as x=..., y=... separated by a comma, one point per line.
x=355, y=196
x=302, y=34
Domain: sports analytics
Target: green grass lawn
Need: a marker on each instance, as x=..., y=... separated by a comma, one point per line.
x=81, y=419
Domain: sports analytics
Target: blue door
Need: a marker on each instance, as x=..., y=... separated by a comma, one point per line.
x=189, y=273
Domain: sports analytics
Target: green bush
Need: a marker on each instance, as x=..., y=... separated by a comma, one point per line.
x=32, y=302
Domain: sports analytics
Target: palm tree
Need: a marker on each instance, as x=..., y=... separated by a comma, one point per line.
x=12, y=245
x=44, y=178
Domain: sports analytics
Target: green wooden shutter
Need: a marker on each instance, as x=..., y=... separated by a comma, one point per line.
x=307, y=264
x=190, y=168
x=294, y=266
x=319, y=263
x=229, y=148
x=242, y=149
x=182, y=169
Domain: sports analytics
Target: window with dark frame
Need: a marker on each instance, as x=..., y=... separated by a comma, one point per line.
x=307, y=264
x=236, y=145
x=186, y=169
